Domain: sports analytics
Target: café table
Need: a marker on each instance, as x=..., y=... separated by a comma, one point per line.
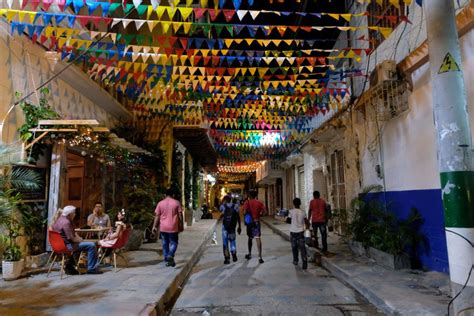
x=93, y=234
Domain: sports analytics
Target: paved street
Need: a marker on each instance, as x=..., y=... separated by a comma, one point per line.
x=275, y=287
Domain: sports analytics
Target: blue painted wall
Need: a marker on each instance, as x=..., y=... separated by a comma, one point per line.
x=429, y=204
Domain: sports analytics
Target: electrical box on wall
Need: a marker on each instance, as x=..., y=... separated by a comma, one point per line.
x=385, y=71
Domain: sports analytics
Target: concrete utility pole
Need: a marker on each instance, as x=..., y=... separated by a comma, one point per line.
x=454, y=147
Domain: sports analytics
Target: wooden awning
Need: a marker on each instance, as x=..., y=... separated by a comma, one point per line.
x=197, y=141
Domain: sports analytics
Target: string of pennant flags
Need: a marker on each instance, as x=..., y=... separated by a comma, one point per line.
x=256, y=85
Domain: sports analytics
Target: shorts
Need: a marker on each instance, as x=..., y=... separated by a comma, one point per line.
x=253, y=230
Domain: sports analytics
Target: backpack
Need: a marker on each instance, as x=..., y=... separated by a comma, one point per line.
x=229, y=220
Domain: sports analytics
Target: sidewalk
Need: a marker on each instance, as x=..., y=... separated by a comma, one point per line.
x=143, y=288
x=402, y=292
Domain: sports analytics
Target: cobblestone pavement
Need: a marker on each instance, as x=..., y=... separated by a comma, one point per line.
x=275, y=287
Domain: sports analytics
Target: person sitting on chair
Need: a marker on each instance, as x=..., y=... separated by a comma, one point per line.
x=64, y=225
x=98, y=218
x=122, y=223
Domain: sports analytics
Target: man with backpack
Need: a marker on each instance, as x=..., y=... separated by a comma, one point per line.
x=230, y=219
x=253, y=209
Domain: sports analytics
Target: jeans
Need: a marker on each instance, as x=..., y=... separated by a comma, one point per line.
x=324, y=235
x=170, y=244
x=297, y=243
x=226, y=239
x=92, y=259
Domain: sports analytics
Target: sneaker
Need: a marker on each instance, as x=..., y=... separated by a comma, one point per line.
x=295, y=262
x=260, y=260
x=226, y=261
x=305, y=265
x=248, y=257
x=170, y=262
x=96, y=271
x=234, y=257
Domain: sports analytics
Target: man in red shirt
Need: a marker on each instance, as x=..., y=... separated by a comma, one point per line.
x=256, y=209
x=317, y=214
x=168, y=213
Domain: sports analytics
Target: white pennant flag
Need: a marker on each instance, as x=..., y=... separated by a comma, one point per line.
x=254, y=13
x=241, y=14
x=126, y=22
x=136, y=3
x=10, y=3
x=115, y=22
x=139, y=23
x=155, y=4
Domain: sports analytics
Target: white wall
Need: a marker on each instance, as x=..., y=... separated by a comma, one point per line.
x=24, y=67
x=409, y=142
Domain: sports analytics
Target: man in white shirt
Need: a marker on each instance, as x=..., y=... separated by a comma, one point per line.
x=298, y=223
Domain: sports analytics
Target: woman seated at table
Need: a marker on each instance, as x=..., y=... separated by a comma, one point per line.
x=122, y=223
x=98, y=218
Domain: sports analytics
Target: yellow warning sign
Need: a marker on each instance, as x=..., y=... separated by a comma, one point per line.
x=448, y=64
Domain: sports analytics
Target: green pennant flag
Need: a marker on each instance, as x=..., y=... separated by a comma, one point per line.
x=206, y=28
x=230, y=29
x=141, y=9
x=128, y=7
x=218, y=28
x=128, y=38
x=113, y=7
x=140, y=39
x=273, y=70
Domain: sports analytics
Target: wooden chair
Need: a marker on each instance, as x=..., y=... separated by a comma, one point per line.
x=59, y=249
x=116, y=247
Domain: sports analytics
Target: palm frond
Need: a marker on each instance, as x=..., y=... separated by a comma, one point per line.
x=24, y=178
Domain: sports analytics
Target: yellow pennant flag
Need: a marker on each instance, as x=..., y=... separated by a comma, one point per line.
x=334, y=16
x=159, y=11
x=10, y=15
x=186, y=27
x=185, y=12
x=165, y=26
x=386, y=31
x=346, y=16
x=149, y=10
x=176, y=26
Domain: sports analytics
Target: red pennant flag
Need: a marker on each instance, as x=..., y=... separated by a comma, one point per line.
x=83, y=20
x=172, y=40
x=322, y=60
x=199, y=12
x=228, y=14
x=207, y=59
x=162, y=40
x=184, y=42
x=212, y=14
x=215, y=60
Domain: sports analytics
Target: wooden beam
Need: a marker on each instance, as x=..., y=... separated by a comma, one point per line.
x=68, y=122
x=36, y=140
x=53, y=129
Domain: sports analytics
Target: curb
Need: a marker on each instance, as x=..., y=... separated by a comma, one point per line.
x=159, y=307
x=340, y=274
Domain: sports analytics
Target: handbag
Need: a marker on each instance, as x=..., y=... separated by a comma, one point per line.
x=180, y=222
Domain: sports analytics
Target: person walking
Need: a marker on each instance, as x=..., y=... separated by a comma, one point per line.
x=298, y=224
x=168, y=215
x=317, y=214
x=256, y=209
x=230, y=219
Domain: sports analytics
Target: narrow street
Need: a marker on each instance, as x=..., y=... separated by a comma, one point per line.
x=274, y=287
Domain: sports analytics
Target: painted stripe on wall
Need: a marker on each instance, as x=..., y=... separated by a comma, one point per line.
x=429, y=204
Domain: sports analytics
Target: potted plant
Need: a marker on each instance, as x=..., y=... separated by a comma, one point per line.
x=10, y=219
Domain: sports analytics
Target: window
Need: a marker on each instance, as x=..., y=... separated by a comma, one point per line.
x=338, y=188
x=384, y=15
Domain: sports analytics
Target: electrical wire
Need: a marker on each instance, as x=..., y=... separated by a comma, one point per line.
x=470, y=271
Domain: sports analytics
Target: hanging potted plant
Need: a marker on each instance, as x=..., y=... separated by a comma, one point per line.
x=11, y=225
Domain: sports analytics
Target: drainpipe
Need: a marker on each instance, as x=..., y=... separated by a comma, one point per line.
x=453, y=147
